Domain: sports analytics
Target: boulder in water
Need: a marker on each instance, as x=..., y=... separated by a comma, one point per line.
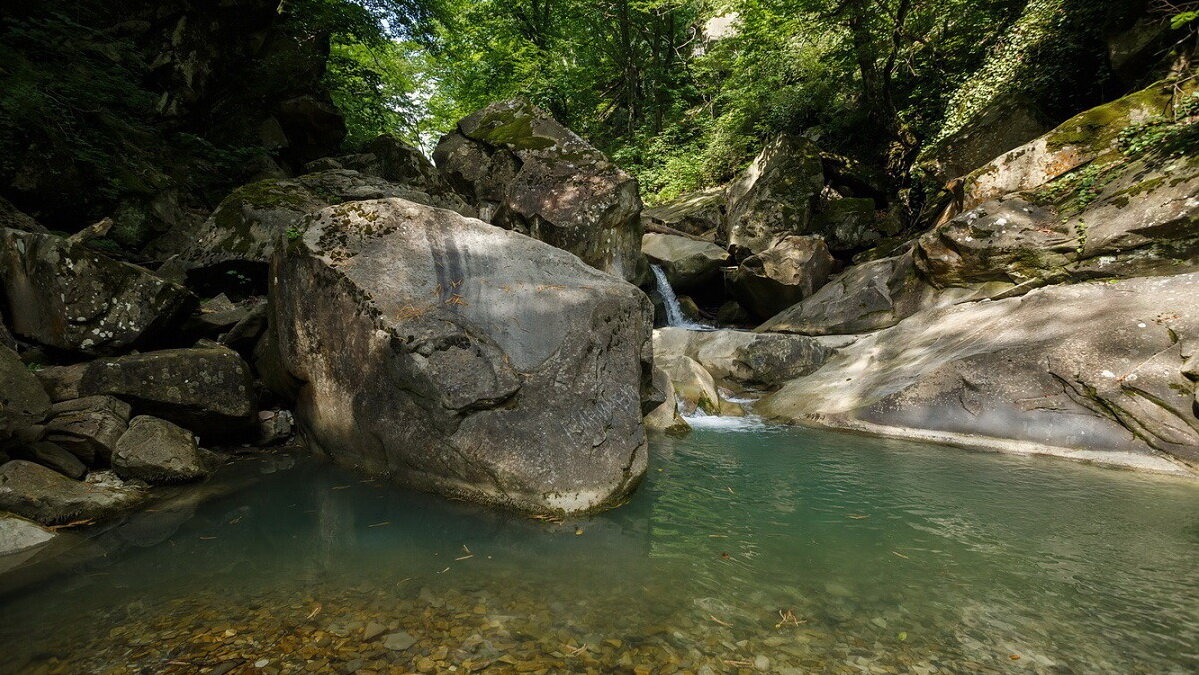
x=665, y=417
x=463, y=358
x=693, y=386
x=45, y=495
x=157, y=451
x=689, y=264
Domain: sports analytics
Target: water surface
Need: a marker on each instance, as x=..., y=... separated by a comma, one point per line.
x=748, y=547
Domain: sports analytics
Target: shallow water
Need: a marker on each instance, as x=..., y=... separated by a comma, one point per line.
x=747, y=547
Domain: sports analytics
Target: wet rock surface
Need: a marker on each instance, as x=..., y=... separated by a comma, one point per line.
x=689, y=264
x=469, y=360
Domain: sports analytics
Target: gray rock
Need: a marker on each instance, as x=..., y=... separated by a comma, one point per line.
x=1088, y=371
x=699, y=213
x=23, y=400
x=469, y=360
x=394, y=160
x=775, y=196
x=744, y=359
x=50, y=498
x=206, y=389
x=157, y=451
x=688, y=264
x=88, y=427
x=274, y=426
x=665, y=417
x=693, y=386
x=398, y=642
x=63, y=295
x=791, y=269
x=247, y=224
x=871, y=296
x=528, y=173
x=52, y=456
x=20, y=539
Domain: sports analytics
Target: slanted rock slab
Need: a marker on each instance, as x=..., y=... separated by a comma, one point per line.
x=50, y=498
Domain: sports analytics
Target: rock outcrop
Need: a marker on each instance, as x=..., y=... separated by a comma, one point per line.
x=62, y=294
x=1092, y=371
x=463, y=358
x=530, y=174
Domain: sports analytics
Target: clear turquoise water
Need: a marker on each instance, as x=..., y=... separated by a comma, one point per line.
x=890, y=556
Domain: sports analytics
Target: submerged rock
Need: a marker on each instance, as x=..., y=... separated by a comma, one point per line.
x=20, y=539
x=528, y=173
x=64, y=295
x=50, y=498
x=1090, y=371
x=463, y=358
x=157, y=451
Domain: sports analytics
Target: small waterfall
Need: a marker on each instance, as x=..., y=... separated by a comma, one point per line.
x=674, y=313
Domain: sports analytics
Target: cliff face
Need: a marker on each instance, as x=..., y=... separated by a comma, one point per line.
x=148, y=111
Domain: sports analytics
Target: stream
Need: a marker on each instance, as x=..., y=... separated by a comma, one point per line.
x=748, y=548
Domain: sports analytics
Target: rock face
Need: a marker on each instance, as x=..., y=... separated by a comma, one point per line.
x=530, y=174
x=66, y=296
x=247, y=224
x=50, y=498
x=688, y=264
x=744, y=359
x=463, y=358
x=1089, y=371
x=23, y=401
x=206, y=389
x=157, y=451
x=790, y=270
x=776, y=195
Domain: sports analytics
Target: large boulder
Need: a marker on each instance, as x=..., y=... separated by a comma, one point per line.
x=698, y=213
x=776, y=195
x=62, y=294
x=1089, y=371
x=463, y=358
x=157, y=451
x=791, y=269
x=395, y=161
x=693, y=386
x=23, y=400
x=89, y=427
x=528, y=173
x=744, y=359
x=689, y=264
x=206, y=389
x=247, y=224
x=50, y=498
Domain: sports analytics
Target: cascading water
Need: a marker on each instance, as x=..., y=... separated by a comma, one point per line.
x=674, y=313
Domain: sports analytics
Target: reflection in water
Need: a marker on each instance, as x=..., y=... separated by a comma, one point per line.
x=752, y=547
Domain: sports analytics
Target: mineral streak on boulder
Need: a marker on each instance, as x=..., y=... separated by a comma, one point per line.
x=463, y=358
x=63, y=295
x=528, y=173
